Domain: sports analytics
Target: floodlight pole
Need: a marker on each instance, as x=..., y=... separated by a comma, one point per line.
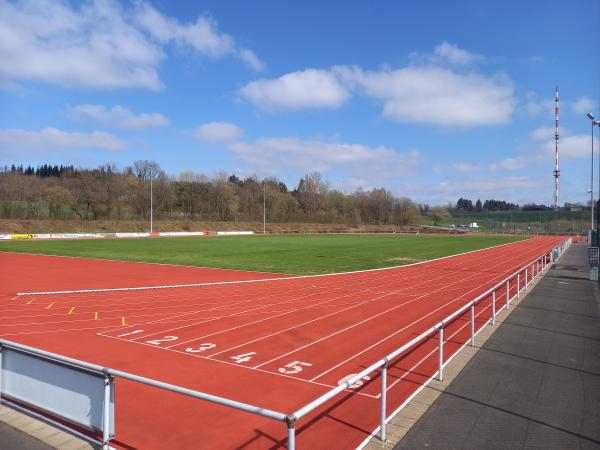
x=591, y=117
x=264, y=209
x=151, y=198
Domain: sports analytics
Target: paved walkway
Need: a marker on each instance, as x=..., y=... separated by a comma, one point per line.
x=536, y=382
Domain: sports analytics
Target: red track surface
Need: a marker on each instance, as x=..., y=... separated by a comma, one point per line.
x=336, y=325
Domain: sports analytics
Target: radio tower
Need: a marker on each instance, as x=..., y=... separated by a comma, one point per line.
x=556, y=171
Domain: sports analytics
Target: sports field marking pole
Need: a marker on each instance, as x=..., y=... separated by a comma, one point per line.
x=383, y=400
x=441, y=353
x=494, y=308
x=473, y=324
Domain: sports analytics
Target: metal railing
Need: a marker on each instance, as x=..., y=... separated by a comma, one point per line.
x=531, y=270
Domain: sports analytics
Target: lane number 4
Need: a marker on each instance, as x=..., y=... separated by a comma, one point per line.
x=243, y=357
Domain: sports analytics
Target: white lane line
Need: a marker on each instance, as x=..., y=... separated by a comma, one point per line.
x=427, y=294
x=371, y=300
x=400, y=330
x=312, y=292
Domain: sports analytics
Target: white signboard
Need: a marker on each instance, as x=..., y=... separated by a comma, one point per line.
x=63, y=391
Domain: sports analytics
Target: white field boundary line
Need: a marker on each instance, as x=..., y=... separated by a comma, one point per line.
x=214, y=283
x=219, y=269
x=220, y=306
x=398, y=331
x=233, y=364
x=349, y=294
x=444, y=364
x=193, y=324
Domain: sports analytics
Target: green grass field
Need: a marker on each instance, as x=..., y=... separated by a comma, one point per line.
x=297, y=254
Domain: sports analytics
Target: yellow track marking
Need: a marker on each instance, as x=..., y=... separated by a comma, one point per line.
x=50, y=305
x=71, y=310
x=96, y=315
x=30, y=301
x=123, y=321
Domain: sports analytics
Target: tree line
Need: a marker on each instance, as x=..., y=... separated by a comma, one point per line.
x=465, y=204
x=107, y=192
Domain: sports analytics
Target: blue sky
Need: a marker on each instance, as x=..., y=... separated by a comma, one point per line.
x=432, y=100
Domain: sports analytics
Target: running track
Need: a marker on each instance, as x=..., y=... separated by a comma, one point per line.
x=248, y=340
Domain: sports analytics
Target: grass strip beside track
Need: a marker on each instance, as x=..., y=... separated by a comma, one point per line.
x=298, y=254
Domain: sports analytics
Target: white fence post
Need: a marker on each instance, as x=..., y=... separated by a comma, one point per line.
x=473, y=324
x=494, y=308
x=108, y=381
x=383, y=400
x=291, y=425
x=441, y=354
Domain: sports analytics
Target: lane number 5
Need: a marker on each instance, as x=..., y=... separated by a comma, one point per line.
x=293, y=367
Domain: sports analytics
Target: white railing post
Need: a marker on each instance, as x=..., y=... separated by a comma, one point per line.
x=518, y=285
x=441, y=354
x=291, y=426
x=473, y=324
x=507, y=294
x=526, y=279
x=494, y=308
x=383, y=401
x=108, y=381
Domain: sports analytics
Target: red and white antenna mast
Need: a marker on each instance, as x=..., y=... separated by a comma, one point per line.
x=556, y=171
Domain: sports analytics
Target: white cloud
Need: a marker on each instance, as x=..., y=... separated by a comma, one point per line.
x=427, y=92
x=535, y=106
x=291, y=154
x=452, y=54
x=202, y=35
x=466, y=166
x=542, y=134
x=584, y=105
x=516, y=163
x=117, y=116
x=52, y=138
x=250, y=58
x=437, y=95
x=577, y=146
x=310, y=88
x=218, y=132
x=98, y=44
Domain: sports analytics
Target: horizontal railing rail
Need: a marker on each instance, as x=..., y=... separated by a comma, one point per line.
x=531, y=269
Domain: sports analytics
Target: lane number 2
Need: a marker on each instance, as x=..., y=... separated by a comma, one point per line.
x=293, y=367
x=163, y=339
